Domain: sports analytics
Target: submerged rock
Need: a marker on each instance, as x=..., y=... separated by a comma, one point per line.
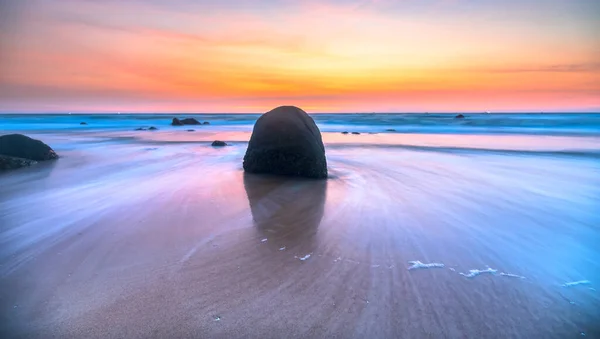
x=21, y=146
x=286, y=141
x=140, y=129
x=191, y=130
x=460, y=116
x=219, y=143
x=390, y=130
x=83, y=123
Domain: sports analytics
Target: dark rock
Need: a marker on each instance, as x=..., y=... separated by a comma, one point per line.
x=390, y=130
x=190, y=121
x=21, y=146
x=286, y=141
x=345, y=132
x=8, y=163
x=355, y=133
x=460, y=116
x=191, y=130
x=83, y=123
x=206, y=123
x=186, y=121
x=152, y=128
x=219, y=143
x=140, y=129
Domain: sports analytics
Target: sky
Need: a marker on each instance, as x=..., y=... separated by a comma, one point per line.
x=323, y=56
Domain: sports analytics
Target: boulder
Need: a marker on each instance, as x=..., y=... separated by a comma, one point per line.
x=460, y=116
x=21, y=146
x=286, y=141
x=219, y=143
x=186, y=121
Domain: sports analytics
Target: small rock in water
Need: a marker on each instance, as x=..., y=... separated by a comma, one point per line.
x=219, y=143
x=206, y=123
x=345, y=132
x=460, y=116
x=355, y=133
x=83, y=123
x=152, y=128
x=191, y=130
x=417, y=264
x=140, y=129
x=390, y=130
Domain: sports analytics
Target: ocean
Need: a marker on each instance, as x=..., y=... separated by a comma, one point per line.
x=428, y=226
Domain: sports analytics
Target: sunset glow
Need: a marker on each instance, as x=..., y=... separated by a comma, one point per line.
x=325, y=56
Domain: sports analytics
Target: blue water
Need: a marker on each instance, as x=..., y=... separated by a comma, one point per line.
x=528, y=123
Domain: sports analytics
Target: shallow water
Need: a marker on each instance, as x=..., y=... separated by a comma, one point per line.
x=157, y=234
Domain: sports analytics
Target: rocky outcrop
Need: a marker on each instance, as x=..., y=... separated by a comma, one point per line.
x=219, y=143
x=186, y=121
x=17, y=150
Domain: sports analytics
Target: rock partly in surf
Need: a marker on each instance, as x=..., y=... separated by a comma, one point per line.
x=8, y=163
x=286, y=141
x=345, y=132
x=460, y=116
x=186, y=121
x=357, y=133
x=152, y=128
x=219, y=143
x=206, y=123
x=21, y=146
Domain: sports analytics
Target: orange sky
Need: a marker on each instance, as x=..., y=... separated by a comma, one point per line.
x=324, y=56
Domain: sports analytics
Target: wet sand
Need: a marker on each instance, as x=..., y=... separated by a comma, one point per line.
x=134, y=238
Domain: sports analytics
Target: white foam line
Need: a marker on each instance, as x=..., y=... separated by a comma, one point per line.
x=575, y=283
x=304, y=257
x=417, y=264
x=510, y=275
x=474, y=273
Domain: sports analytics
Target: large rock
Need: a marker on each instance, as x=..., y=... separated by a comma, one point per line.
x=186, y=121
x=21, y=146
x=286, y=141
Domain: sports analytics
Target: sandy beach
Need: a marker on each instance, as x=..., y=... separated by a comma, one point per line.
x=162, y=236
